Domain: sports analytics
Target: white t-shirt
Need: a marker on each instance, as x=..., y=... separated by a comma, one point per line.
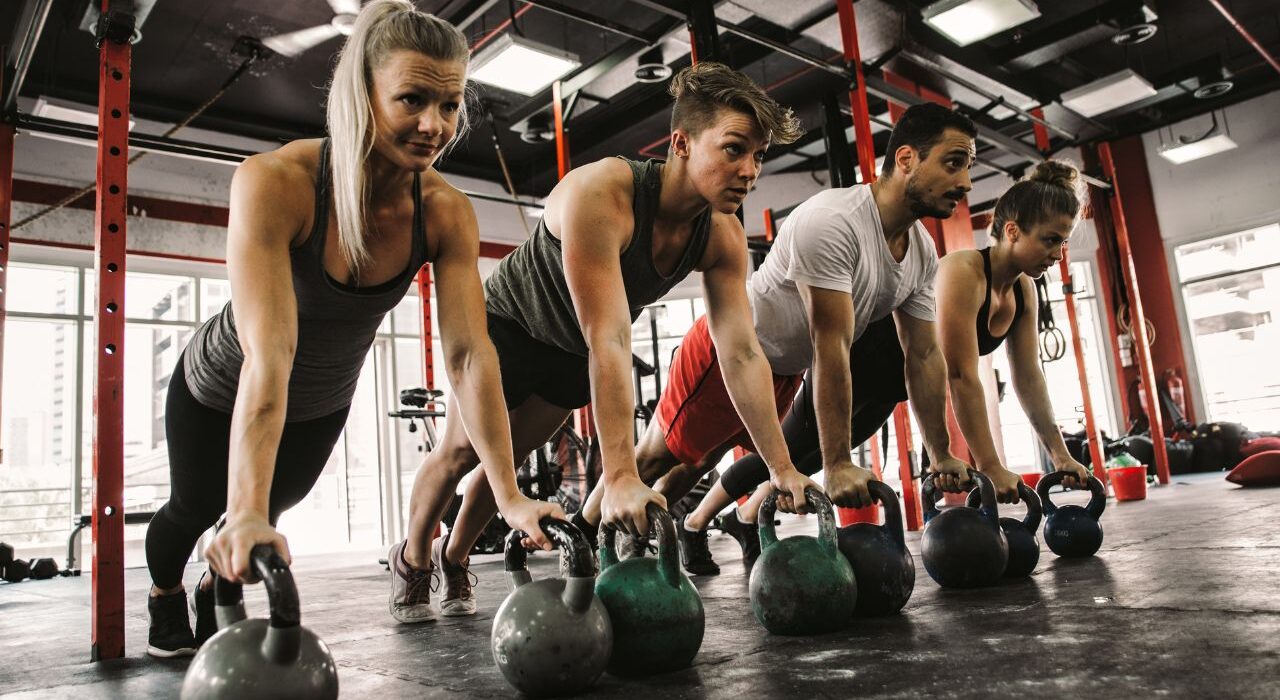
x=834, y=240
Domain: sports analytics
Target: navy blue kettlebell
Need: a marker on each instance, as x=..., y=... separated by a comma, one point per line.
x=1071, y=530
x=1024, y=546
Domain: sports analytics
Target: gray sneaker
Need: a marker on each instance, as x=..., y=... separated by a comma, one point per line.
x=458, y=600
x=410, y=600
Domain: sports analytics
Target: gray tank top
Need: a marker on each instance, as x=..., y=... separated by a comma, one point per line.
x=336, y=324
x=529, y=287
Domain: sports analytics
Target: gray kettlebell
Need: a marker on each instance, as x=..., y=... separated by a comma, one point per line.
x=257, y=658
x=552, y=637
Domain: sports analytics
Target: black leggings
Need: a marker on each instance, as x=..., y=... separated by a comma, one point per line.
x=879, y=386
x=199, y=438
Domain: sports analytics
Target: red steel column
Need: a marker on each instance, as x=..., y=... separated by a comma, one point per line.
x=769, y=230
x=1138, y=319
x=108, y=395
x=1090, y=426
x=6, y=213
x=428, y=354
x=1041, y=131
x=867, y=167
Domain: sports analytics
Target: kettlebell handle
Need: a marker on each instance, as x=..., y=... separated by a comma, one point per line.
x=575, y=550
x=1097, y=500
x=931, y=494
x=1035, y=512
x=884, y=493
x=283, y=640
x=668, y=556
x=818, y=502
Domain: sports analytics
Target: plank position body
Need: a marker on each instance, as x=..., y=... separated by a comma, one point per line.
x=846, y=262
x=616, y=236
x=325, y=237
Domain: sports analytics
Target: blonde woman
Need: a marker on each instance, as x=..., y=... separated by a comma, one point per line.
x=325, y=236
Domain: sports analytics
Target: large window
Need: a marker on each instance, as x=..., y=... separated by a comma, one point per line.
x=1231, y=288
x=46, y=418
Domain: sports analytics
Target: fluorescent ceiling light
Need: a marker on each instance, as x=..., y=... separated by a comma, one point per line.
x=1106, y=94
x=967, y=21
x=77, y=115
x=520, y=65
x=1180, y=153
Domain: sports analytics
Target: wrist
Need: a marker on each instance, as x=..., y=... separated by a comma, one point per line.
x=782, y=468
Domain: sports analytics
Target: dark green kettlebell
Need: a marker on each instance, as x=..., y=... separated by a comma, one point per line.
x=257, y=658
x=802, y=585
x=1024, y=546
x=656, y=613
x=963, y=547
x=882, y=566
x=552, y=637
x=1071, y=530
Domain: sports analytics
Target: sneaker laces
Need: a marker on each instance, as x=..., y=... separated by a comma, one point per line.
x=420, y=584
x=460, y=580
x=698, y=544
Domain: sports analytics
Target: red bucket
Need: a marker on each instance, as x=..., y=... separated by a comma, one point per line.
x=1031, y=479
x=1128, y=483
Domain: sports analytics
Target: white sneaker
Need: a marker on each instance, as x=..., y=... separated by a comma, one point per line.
x=458, y=600
x=410, y=600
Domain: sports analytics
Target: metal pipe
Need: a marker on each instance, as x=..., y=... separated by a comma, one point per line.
x=26, y=50
x=1077, y=344
x=585, y=18
x=1266, y=55
x=949, y=75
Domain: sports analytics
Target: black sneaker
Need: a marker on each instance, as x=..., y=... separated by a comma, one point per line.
x=694, y=553
x=202, y=607
x=170, y=633
x=747, y=535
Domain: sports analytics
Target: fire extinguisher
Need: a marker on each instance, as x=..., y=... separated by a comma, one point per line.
x=1177, y=390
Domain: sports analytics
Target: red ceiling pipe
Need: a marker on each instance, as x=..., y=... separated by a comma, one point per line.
x=1266, y=55
x=501, y=26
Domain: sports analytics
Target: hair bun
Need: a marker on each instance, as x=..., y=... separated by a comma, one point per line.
x=1058, y=173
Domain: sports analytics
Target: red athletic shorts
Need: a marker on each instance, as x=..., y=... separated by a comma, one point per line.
x=695, y=413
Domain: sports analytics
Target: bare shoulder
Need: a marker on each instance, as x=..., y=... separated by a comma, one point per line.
x=286, y=174
x=442, y=199
x=605, y=180
x=960, y=276
x=962, y=261
x=726, y=241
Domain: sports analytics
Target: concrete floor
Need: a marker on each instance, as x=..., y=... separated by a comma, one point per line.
x=1180, y=602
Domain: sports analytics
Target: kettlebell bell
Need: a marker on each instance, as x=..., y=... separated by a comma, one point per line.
x=1024, y=546
x=802, y=585
x=963, y=547
x=657, y=615
x=882, y=566
x=1071, y=530
x=257, y=658
x=552, y=637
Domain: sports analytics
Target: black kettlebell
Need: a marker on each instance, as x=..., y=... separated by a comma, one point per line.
x=552, y=637
x=1024, y=547
x=882, y=566
x=257, y=658
x=1071, y=530
x=963, y=547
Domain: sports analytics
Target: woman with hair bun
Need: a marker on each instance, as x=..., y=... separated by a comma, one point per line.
x=987, y=296
x=325, y=236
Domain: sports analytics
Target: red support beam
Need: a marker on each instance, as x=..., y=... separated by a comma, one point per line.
x=1077, y=343
x=1041, y=131
x=562, y=140
x=428, y=356
x=769, y=229
x=108, y=397
x=1138, y=319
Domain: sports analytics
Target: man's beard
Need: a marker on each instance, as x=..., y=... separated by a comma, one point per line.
x=919, y=206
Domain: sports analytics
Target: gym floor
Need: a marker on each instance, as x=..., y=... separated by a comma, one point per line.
x=1175, y=604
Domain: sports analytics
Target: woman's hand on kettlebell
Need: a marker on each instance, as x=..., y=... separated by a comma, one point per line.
x=525, y=514
x=228, y=553
x=1077, y=475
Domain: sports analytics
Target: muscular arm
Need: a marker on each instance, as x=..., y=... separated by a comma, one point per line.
x=1028, y=378
x=926, y=374
x=959, y=298
x=470, y=359
x=595, y=222
x=262, y=225
x=831, y=325
x=746, y=371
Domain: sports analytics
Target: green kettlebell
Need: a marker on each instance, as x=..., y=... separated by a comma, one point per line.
x=552, y=637
x=657, y=614
x=802, y=585
x=256, y=658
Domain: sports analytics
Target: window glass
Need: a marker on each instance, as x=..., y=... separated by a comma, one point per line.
x=214, y=294
x=1224, y=254
x=41, y=289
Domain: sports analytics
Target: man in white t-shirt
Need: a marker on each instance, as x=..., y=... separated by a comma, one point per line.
x=843, y=260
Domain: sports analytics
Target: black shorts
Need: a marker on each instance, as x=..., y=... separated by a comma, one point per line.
x=530, y=366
